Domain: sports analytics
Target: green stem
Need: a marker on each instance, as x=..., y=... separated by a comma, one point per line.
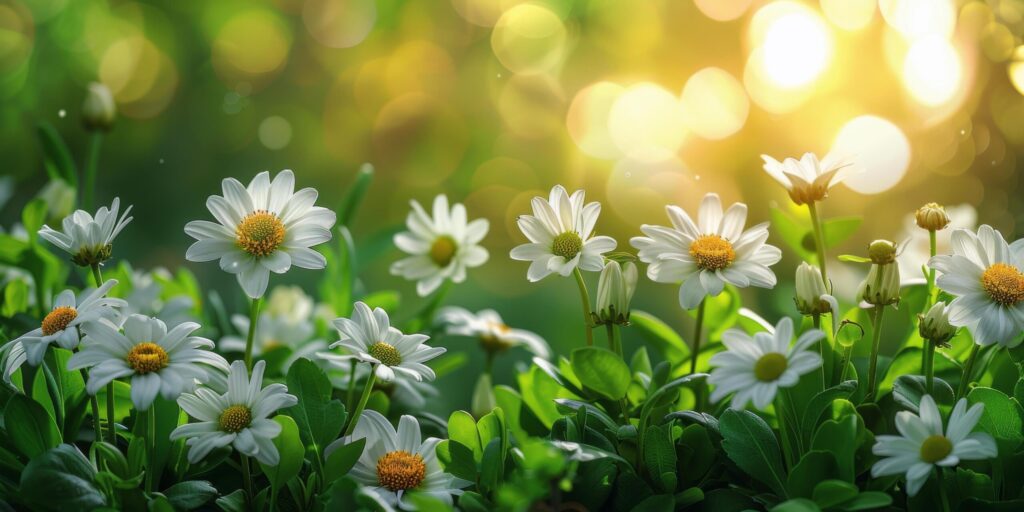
x=351, y=393
x=151, y=445
x=933, y=250
x=97, y=276
x=816, y=320
x=929, y=365
x=246, y=478
x=94, y=404
x=254, y=312
x=367, y=388
x=111, y=426
x=875, y=342
x=697, y=333
x=585, y=299
x=91, y=163
x=965, y=379
x=819, y=242
x=614, y=342
x=942, y=490
x=489, y=363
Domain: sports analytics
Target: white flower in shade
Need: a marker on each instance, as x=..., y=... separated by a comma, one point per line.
x=157, y=360
x=754, y=368
x=808, y=179
x=61, y=325
x=490, y=330
x=984, y=272
x=560, y=233
x=267, y=227
x=147, y=298
x=922, y=444
x=239, y=417
x=277, y=328
x=290, y=303
x=369, y=337
x=86, y=238
x=396, y=463
x=441, y=246
x=704, y=256
x=412, y=394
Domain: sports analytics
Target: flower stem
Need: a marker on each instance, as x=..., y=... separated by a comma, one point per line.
x=585, y=299
x=876, y=321
x=91, y=162
x=94, y=404
x=965, y=379
x=819, y=242
x=929, y=365
x=111, y=428
x=351, y=393
x=254, y=312
x=942, y=489
x=246, y=478
x=697, y=333
x=816, y=320
x=151, y=445
x=365, y=397
x=933, y=294
x=97, y=276
x=614, y=343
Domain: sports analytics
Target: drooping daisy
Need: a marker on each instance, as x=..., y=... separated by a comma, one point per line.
x=267, y=227
x=984, y=272
x=754, y=368
x=490, y=330
x=922, y=444
x=441, y=246
x=704, y=256
x=239, y=417
x=395, y=463
x=157, y=360
x=285, y=322
x=86, y=238
x=808, y=179
x=62, y=323
x=560, y=232
x=369, y=337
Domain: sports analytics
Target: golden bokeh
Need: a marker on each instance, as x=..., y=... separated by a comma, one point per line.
x=646, y=122
x=251, y=46
x=879, y=151
x=714, y=104
x=529, y=38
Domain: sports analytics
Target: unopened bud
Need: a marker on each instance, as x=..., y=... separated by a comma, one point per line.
x=934, y=325
x=882, y=285
x=615, y=291
x=810, y=288
x=99, y=109
x=932, y=217
x=882, y=252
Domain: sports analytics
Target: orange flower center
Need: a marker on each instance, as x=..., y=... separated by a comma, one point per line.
x=400, y=470
x=147, y=357
x=58, y=319
x=1004, y=283
x=712, y=252
x=260, y=233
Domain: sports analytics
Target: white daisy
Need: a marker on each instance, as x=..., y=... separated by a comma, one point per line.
x=274, y=331
x=395, y=463
x=922, y=444
x=808, y=179
x=147, y=298
x=86, y=238
x=985, y=275
x=157, y=360
x=239, y=417
x=441, y=246
x=560, y=232
x=62, y=324
x=754, y=368
x=267, y=227
x=490, y=330
x=368, y=335
x=704, y=256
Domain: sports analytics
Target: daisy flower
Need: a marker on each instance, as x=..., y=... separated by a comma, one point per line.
x=441, y=246
x=157, y=360
x=754, y=368
x=267, y=227
x=706, y=255
x=808, y=179
x=922, y=444
x=984, y=272
x=86, y=238
x=395, y=463
x=287, y=321
x=239, y=417
x=62, y=323
x=490, y=330
x=368, y=335
x=560, y=232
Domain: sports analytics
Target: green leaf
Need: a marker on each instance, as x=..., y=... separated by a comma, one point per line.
x=752, y=445
x=319, y=417
x=32, y=218
x=796, y=505
x=59, y=162
x=795, y=235
x=290, y=448
x=190, y=494
x=29, y=427
x=354, y=196
x=457, y=459
x=1001, y=419
x=602, y=371
x=853, y=258
x=342, y=459
x=661, y=335
x=660, y=457
x=840, y=439
x=15, y=298
x=907, y=391
x=870, y=500
x=234, y=502
x=838, y=229
x=817, y=406
x=491, y=466
x=812, y=467
x=462, y=429
x=61, y=479
x=830, y=493
x=656, y=503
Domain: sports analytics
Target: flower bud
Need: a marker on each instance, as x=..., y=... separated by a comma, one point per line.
x=934, y=326
x=882, y=252
x=614, y=292
x=99, y=109
x=810, y=290
x=932, y=217
x=882, y=285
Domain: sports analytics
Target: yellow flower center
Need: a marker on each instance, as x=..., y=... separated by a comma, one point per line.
x=58, y=319
x=260, y=233
x=935, y=448
x=567, y=245
x=400, y=470
x=443, y=250
x=147, y=357
x=712, y=252
x=235, y=418
x=770, y=367
x=1004, y=283
x=494, y=340
x=386, y=354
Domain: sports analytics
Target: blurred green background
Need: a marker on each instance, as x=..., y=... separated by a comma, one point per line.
x=494, y=101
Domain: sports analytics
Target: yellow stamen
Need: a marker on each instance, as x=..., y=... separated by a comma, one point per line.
x=567, y=245
x=260, y=233
x=443, y=250
x=712, y=252
x=147, y=357
x=400, y=470
x=935, y=448
x=58, y=319
x=386, y=353
x=1004, y=283
x=235, y=418
x=770, y=367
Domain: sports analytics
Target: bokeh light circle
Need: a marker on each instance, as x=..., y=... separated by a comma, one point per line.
x=723, y=10
x=529, y=38
x=879, y=150
x=932, y=71
x=275, y=132
x=849, y=14
x=797, y=48
x=141, y=77
x=714, y=104
x=587, y=119
x=915, y=19
x=646, y=122
x=339, y=23
x=251, y=45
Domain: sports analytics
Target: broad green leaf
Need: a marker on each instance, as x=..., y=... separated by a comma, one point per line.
x=457, y=459
x=661, y=335
x=318, y=417
x=61, y=479
x=342, y=459
x=812, y=467
x=909, y=389
x=190, y=494
x=840, y=439
x=291, y=450
x=29, y=427
x=33, y=216
x=233, y=502
x=602, y=371
x=462, y=429
x=870, y=500
x=1001, y=418
x=817, y=406
x=15, y=298
x=838, y=229
x=660, y=457
x=492, y=465
x=796, y=505
x=798, y=237
x=830, y=493
x=752, y=445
